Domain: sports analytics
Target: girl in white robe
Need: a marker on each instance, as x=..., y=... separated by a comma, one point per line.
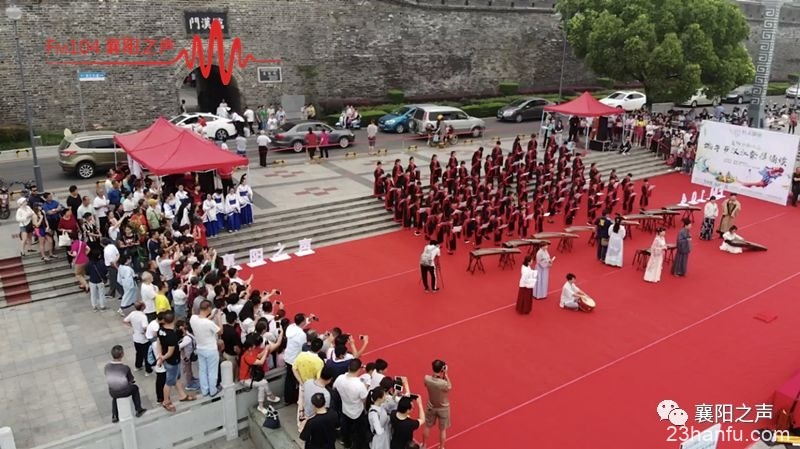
x=245, y=194
x=232, y=213
x=656, y=261
x=210, y=216
x=616, y=236
x=219, y=201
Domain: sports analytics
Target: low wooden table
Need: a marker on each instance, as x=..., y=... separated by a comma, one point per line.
x=647, y=220
x=581, y=228
x=642, y=256
x=687, y=210
x=532, y=244
x=667, y=215
x=506, y=258
x=564, y=242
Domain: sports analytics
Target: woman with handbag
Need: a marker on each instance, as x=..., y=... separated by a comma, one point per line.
x=252, y=367
x=67, y=232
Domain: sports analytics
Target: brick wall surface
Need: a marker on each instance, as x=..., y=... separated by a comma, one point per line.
x=329, y=49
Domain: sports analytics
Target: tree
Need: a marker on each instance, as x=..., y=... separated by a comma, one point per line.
x=673, y=47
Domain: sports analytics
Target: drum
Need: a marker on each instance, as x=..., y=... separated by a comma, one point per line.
x=586, y=304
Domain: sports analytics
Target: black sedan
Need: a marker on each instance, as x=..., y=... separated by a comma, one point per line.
x=292, y=135
x=530, y=108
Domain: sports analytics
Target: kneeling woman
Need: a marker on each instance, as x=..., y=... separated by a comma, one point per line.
x=728, y=238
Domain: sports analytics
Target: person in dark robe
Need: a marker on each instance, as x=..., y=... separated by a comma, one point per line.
x=679, y=265
x=378, y=186
x=602, y=225
x=644, y=200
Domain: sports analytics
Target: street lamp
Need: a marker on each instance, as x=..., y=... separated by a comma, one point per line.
x=14, y=13
x=557, y=16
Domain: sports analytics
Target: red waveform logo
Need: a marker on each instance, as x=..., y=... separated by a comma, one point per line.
x=201, y=56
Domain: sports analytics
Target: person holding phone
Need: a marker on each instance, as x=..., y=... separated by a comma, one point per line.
x=438, y=410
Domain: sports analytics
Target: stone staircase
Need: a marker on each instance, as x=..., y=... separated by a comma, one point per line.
x=29, y=279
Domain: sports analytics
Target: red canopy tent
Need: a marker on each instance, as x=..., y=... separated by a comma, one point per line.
x=584, y=106
x=166, y=149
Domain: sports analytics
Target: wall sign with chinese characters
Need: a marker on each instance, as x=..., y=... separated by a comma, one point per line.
x=748, y=161
x=270, y=75
x=199, y=22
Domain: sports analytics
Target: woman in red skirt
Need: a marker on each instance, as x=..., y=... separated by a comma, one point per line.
x=526, y=283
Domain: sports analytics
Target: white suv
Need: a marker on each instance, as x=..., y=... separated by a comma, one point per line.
x=427, y=115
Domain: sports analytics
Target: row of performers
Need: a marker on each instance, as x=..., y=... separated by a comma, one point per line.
x=461, y=205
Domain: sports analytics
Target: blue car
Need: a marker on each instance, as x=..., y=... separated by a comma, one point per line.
x=397, y=121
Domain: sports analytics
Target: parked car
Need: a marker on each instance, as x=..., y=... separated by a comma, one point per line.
x=88, y=153
x=742, y=94
x=792, y=91
x=462, y=123
x=523, y=109
x=217, y=128
x=700, y=98
x=627, y=100
x=292, y=135
x=397, y=121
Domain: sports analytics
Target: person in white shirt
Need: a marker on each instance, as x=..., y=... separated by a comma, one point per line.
x=206, y=334
x=249, y=119
x=85, y=208
x=241, y=145
x=428, y=263
x=137, y=320
x=231, y=209
x=210, y=212
x=128, y=204
x=377, y=375
x=570, y=293
x=222, y=109
x=24, y=219
x=710, y=214
x=272, y=122
x=527, y=282
x=100, y=205
x=295, y=339
x=165, y=262
x=353, y=393
x=728, y=238
x=179, y=299
x=148, y=292
x=111, y=258
x=262, y=141
x=372, y=135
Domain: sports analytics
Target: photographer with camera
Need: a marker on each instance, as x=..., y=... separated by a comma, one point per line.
x=353, y=392
x=295, y=336
x=438, y=385
x=253, y=368
x=402, y=425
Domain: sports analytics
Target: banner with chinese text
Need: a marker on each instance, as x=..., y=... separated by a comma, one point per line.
x=747, y=161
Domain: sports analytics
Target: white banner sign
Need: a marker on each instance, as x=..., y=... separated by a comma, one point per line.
x=256, y=258
x=748, y=161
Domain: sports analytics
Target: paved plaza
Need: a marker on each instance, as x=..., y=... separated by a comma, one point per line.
x=54, y=351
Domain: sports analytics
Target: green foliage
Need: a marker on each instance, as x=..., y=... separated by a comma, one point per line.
x=396, y=96
x=508, y=88
x=672, y=47
x=13, y=133
x=14, y=137
x=794, y=78
x=366, y=116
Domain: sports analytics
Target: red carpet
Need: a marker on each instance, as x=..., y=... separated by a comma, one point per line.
x=564, y=379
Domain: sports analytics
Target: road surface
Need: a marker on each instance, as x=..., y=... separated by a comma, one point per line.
x=54, y=179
